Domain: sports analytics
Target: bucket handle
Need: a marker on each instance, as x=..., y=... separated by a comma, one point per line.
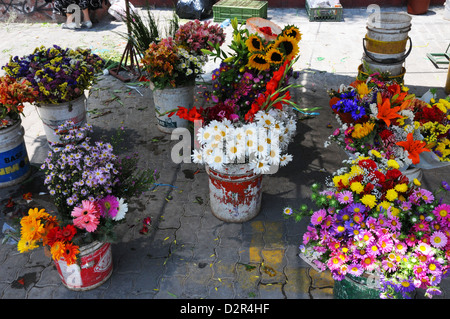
x=387, y=61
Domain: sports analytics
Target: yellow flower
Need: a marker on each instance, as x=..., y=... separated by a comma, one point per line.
x=384, y=204
x=288, y=45
x=25, y=245
x=340, y=178
x=274, y=56
x=362, y=130
x=391, y=194
x=416, y=182
x=254, y=43
x=294, y=32
x=32, y=229
x=375, y=153
x=258, y=61
x=357, y=187
x=369, y=200
x=393, y=163
x=401, y=188
x=394, y=211
x=362, y=89
x=37, y=214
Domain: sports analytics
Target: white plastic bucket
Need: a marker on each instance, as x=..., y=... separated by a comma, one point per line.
x=53, y=115
x=168, y=100
x=389, y=21
x=14, y=162
x=370, y=66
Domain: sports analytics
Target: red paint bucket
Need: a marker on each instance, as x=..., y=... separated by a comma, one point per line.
x=95, y=267
x=235, y=193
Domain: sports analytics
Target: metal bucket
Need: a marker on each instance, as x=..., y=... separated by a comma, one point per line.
x=96, y=267
x=235, y=193
x=166, y=101
x=14, y=162
x=53, y=115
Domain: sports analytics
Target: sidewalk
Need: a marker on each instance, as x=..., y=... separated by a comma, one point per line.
x=189, y=253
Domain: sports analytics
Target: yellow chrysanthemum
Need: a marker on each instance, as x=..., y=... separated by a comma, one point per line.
x=287, y=45
x=391, y=195
x=393, y=163
x=375, y=153
x=401, y=188
x=258, y=61
x=337, y=180
x=369, y=200
x=357, y=187
x=384, y=204
x=416, y=182
x=395, y=211
x=293, y=32
x=254, y=43
x=362, y=130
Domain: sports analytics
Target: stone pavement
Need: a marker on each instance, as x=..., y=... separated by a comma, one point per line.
x=189, y=254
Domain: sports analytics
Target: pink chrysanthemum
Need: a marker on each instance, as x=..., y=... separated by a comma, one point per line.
x=385, y=243
x=368, y=262
x=355, y=270
x=335, y=262
x=345, y=197
x=394, y=223
x=438, y=239
x=318, y=217
x=389, y=265
x=108, y=206
x=442, y=212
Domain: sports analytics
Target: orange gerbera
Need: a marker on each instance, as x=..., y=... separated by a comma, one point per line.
x=413, y=147
x=58, y=250
x=386, y=113
x=70, y=253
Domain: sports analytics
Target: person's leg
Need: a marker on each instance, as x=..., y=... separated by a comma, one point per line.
x=86, y=19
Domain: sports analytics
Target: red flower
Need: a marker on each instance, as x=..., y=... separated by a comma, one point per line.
x=68, y=232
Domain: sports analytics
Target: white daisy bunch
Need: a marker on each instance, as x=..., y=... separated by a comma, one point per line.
x=261, y=143
x=190, y=63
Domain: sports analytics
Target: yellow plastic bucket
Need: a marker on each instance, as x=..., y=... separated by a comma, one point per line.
x=385, y=47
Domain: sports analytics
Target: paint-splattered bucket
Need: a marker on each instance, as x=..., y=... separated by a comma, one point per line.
x=235, y=193
x=14, y=162
x=94, y=269
x=168, y=100
x=53, y=115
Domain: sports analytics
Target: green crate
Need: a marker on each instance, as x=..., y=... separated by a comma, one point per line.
x=241, y=9
x=324, y=14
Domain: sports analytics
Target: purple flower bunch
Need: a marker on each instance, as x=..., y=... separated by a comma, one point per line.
x=80, y=170
x=58, y=75
x=195, y=36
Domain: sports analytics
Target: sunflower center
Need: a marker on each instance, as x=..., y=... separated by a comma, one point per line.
x=256, y=44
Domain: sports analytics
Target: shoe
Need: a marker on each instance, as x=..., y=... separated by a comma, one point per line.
x=70, y=26
x=86, y=24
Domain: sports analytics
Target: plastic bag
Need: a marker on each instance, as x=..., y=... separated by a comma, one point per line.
x=118, y=9
x=194, y=9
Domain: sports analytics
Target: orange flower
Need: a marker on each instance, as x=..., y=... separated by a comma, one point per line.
x=70, y=253
x=386, y=113
x=414, y=148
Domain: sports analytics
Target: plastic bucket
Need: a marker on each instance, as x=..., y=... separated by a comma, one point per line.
x=53, y=115
x=235, y=193
x=351, y=287
x=167, y=100
x=14, y=162
x=389, y=22
x=96, y=267
x=363, y=75
x=371, y=66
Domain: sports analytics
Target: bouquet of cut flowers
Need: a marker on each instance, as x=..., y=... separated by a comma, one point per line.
x=374, y=220
x=195, y=36
x=178, y=60
x=58, y=75
x=251, y=120
x=13, y=95
x=170, y=65
x=90, y=184
x=377, y=115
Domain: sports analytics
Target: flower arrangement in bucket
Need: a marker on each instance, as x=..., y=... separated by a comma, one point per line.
x=382, y=115
x=371, y=219
x=58, y=75
x=13, y=95
x=91, y=187
x=246, y=132
x=252, y=103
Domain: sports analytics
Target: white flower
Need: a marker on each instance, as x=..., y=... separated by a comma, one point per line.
x=197, y=157
x=122, y=210
x=260, y=166
x=285, y=159
x=216, y=159
x=274, y=156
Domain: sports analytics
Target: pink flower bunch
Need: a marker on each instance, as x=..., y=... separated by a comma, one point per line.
x=195, y=35
x=401, y=232
x=90, y=214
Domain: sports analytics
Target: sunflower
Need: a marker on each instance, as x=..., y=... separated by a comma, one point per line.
x=288, y=45
x=292, y=31
x=258, y=61
x=274, y=56
x=254, y=43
